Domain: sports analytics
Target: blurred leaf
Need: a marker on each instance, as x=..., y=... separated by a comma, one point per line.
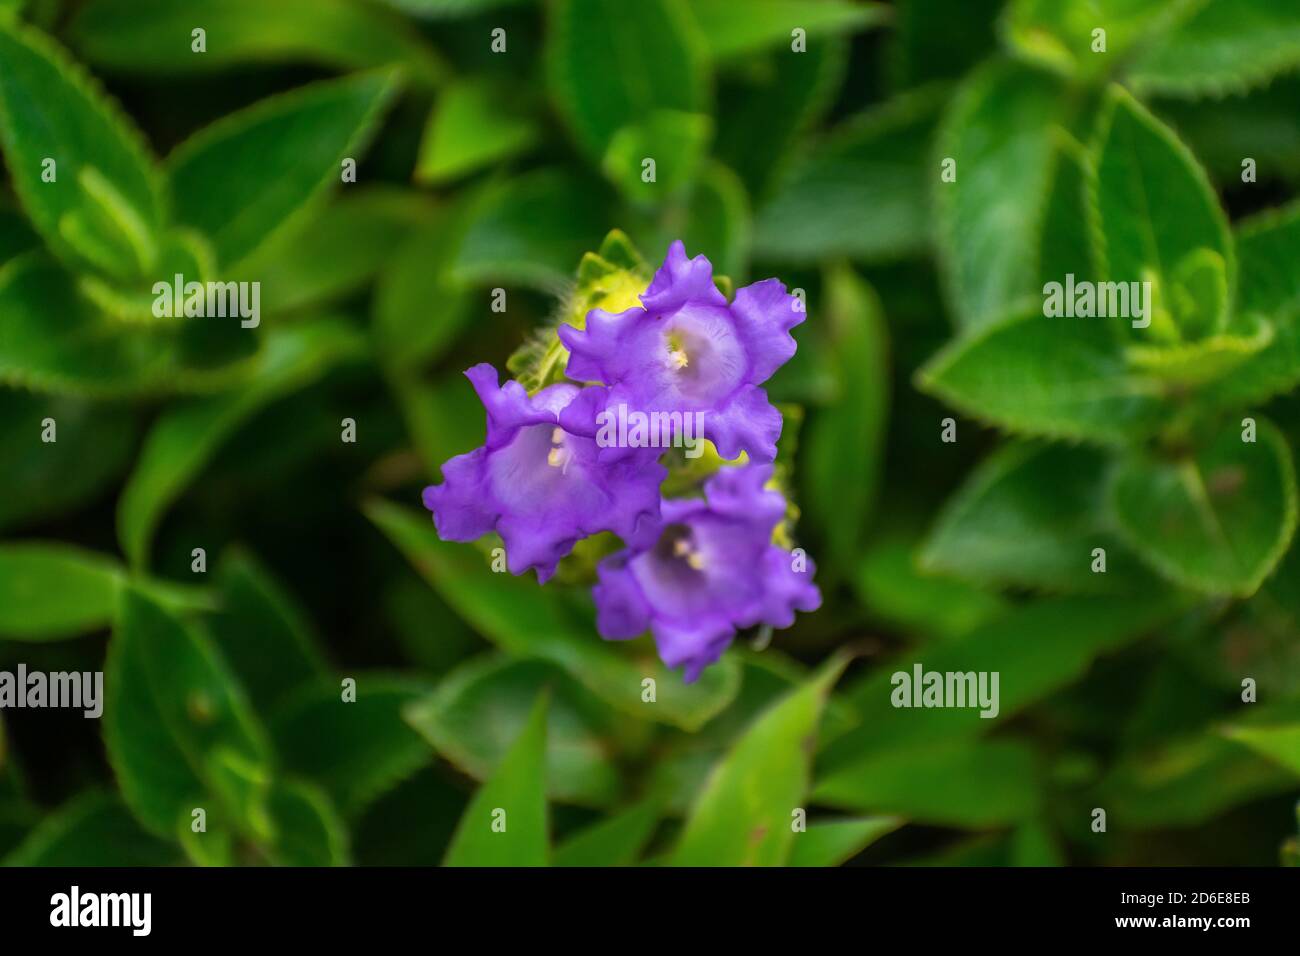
x=1278, y=742
x=531, y=230
x=1034, y=845
x=940, y=39
x=154, y=36
x=676, y=141
x=1225, y=45
x=1216, y=520
x=50, y=591
x=1059, y=36
x=843, y=443
x=474, y=124
x=611, y=64
x=251, y=173
x=40, y=480
x=308, y=831
x=616, y=840
x=92, y=829
x=445, y=9
x=969, y=783
x=336, y=252
x=833, y=842
x=1056, y=378
x=358, y=750
x=717, y=221
x=732, y=32
x=1030, y=515
x=480, y=708
x=526, y=620
x=172, y=711
x=186, y=437
x=1036, y=650
x=862, y=193
x=1152, y=203
x=262, y=633
x=105, y=207
x=505, y=824
x=999, y=130
x=743, y=817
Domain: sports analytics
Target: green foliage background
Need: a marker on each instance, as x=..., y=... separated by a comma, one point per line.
x=480, y=170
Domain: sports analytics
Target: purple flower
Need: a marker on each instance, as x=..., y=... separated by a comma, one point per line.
x=537, y=485
x=687, y=350
x=711, y=570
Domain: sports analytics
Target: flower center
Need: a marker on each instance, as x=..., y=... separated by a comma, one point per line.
x=677, y=356
x=558, y=456
x=677, y=547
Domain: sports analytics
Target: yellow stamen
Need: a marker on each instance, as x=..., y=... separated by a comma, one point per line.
x=557, y=458
x=679, y=358
x=695, y=560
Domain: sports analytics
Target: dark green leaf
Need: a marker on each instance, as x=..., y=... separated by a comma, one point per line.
x=50, y=591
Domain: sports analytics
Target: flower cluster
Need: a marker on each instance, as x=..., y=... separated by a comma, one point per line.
x=693, y=570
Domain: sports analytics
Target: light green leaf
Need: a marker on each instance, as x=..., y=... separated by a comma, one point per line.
x=1000, y=131
x=355, y=750
x=610, y=64
x=50, y=591
x=480, y=708
x=92, y=829
x=1216, y=520
x=1053, y=377
x=1061, y=37
x=614, y=841
x=842, y=444
x=743, y=815
x=1227, y=45
x=173, y=716
x=154, y=36
x=251, y=173
x=676, y=141
x=862, y=193
x=528, y=621
x=104, y=209
x=968, y=783
x=475, y=123
x=187, y=436
x=514, y=799
x=1278, y=742
x=1152, y=205
x=1030, y=515
x=718, y=221
x=733, y=33
x=832, y=842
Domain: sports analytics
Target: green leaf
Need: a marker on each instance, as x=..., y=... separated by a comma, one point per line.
x=862, y=193
x=336, y=252
x=308, y=830
x=221, y=177
x=355, y=750
x=940, y=39
x=446, y=9
x=475, y=123
x=262, y=633
x=532, y=230
x=1053, y=377
x=173, y=716
x=1036, y=649
x=1060, y=36
x=733, y=33
x=1152, y=204
x=1217, y=519
x=611, y=64
x=835, y=841
x=154, y=36
x=1000, y=131
x=92, y=829
x=50, y=591
x=505, y=824
x=676, y=141
x=39, y=480
x=743, y=817
x=529, y=621
x=616, y=840
x=842, y=444
x=105, y=208
x=1227, y=45
x=187, y=436
x=964, y=784
x=1280, y=743
x=1030, y=515
x=479, y=709
x=718, y=221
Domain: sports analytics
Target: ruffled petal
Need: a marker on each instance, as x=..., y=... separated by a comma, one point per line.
x=765, y=314
x=621, y=608
x=748, y=423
